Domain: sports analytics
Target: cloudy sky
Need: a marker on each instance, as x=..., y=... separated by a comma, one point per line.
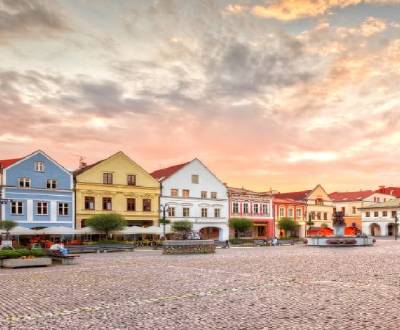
x=274, y=93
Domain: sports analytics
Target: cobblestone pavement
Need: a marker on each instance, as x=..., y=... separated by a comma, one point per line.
x=289, y=287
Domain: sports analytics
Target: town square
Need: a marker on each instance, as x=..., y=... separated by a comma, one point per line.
x=199, y=164
x=288, y=287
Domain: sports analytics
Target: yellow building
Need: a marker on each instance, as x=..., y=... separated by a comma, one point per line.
x=117, y=184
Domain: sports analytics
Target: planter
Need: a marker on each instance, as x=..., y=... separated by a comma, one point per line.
x=19, y=263
x=188, y=247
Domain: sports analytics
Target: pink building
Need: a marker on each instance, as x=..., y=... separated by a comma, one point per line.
x=255, y=206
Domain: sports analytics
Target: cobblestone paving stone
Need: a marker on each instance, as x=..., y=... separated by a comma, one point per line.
x=289, y=287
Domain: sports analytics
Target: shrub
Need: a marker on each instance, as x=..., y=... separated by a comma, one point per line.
x=18, y=253
x=182, y=226
x=8, y=225
x=240, y=225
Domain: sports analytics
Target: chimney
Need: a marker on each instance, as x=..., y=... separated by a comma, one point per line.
x=82, y=163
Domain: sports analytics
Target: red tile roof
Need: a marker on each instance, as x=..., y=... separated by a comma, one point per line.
x=297, y=195
x=394, y=191
x=287, y=201
x=164, y=173
x=7, y=162
x=350, y=196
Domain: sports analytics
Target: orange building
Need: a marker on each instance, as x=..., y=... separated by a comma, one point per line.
x=289, y=208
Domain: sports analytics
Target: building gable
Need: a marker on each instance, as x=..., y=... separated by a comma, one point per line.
x=120, y=165
x=25, y=168
x=318, y=192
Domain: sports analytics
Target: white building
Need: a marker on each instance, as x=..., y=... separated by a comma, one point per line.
x=192, y=192
x=379, y=219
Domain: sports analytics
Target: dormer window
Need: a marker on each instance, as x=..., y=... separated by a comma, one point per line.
x=39, y=166
x=24, y=183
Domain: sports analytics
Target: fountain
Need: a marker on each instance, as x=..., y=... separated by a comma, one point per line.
x=339, y=238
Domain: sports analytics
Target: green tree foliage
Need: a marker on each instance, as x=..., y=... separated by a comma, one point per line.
x=287, y=224
x=182, y=226
x=107, y=223
x=240, y=225
x=8, y=225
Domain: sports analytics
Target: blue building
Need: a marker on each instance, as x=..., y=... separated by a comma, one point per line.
x=39, y=192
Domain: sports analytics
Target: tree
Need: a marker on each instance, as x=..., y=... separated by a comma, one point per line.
x=8, y=225
x=287, y=224
x=183, y=228
x=240, y=225
x=107, y=223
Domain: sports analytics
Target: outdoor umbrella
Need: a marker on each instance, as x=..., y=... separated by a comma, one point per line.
x=57, y=231
x=20, y=231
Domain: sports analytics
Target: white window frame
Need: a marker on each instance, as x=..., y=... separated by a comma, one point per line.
x=24, y=181
x=217, y=211
x=42, y=203
x=213, y=195
x=281, y=212
x=195, y=178
x=245, y=205
x=183, y=211
x=290, y=212
x=17, y=205
x=237, y=207
x=51, y=182
x=39, y=166
x=256, y=209
x=204, y=212
x=65, y=209
x=298, y=213
x=171, y=211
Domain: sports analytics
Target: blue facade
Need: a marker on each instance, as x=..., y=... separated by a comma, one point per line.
x=41, y=192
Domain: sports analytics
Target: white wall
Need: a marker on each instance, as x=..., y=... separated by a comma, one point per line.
x=182, y=179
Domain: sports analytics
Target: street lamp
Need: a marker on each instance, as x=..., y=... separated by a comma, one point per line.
x=164, y=208
x=396, y=221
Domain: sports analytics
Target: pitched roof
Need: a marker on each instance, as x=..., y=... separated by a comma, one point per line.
x=394, y=191
x=84, y=169
x=7, y=162
x=296, y=195
x=287, y=201
x=393, y=203
x=166, y=172
x=351, y=196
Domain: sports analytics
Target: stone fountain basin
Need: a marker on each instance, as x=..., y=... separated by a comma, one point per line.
x=340, y=241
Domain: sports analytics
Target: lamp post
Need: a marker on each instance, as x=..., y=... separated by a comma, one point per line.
x=396, y=223
x=164, y=208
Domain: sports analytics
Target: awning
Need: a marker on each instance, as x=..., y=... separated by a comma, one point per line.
x=57, y=231
x=21, y=231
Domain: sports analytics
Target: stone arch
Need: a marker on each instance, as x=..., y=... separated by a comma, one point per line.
x=213, y=231
x=375, y=229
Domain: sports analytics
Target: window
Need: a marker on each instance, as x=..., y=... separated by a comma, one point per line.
x=51, y=184
x=107, y=203
x=367, y=214
x=213, y=195
x=42, y=208
x=171, y=212
x=384, y=213
x=131, y=204
x=107, y=178
x=319, y=201
x=217, y=213
x=89, y=203
x=343, y=210
x=17, y=208
x=265, y=209
x=235, y=207
x=39, y=166
x=204, y=213
x=63, y=209
x=281, y=212
x=255, y=208
x=325, y=216
x=394, y=214
x=319, y=216
x=203, y=194
x=298, y=213
x=290, y=213
x=24, y=182
x=376, y=214
x=147, y=205
x=354, y=210
x=261, y=231
x=312, y=215
x=131, y=180
x=245, y=208
x=174, y=192
x=195, y=178
x=185, y=193
x=186, y=212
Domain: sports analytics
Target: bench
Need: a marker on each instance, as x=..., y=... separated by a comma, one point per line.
x=83, y=248
x=222, y=244
x=57, y=256
x=285, y=242
x=262, y=242
x=116, y=247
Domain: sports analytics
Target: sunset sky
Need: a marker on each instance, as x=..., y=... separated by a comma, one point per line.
x=280, y=94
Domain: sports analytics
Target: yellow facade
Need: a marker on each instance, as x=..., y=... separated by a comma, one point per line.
x=90, y=185
x=320, y=206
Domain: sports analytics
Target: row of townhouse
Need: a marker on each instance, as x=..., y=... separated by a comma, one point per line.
x=42, y=193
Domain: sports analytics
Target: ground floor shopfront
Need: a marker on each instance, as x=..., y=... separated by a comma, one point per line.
x=377, y=229
x=261, y=229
